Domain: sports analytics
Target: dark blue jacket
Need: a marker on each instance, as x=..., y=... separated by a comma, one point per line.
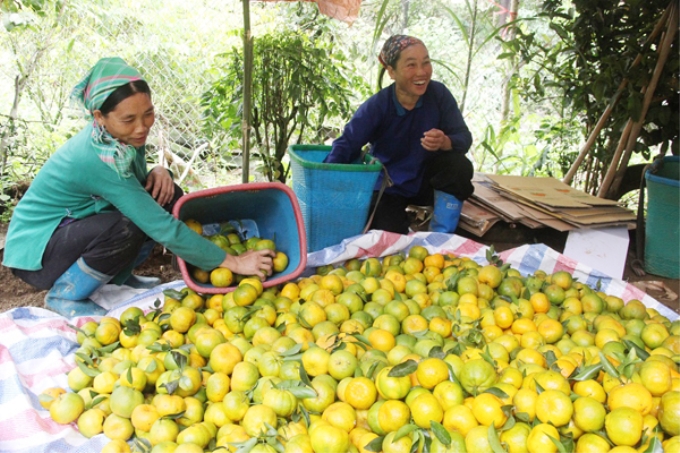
x=394, y=134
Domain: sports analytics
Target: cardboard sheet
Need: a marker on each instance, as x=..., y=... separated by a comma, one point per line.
x=548, y=191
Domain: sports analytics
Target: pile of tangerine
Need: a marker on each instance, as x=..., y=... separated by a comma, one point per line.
x=415, y=352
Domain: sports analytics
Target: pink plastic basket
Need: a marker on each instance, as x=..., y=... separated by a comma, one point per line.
x=273, y=210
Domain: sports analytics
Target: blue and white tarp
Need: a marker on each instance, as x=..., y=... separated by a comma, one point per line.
x=37, y=346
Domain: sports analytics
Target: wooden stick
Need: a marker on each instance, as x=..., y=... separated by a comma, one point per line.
x=609, y=176
x=664, y=50
x=594, y=133
x=615, y=99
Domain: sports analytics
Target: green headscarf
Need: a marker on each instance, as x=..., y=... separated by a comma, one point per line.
x=102, y=80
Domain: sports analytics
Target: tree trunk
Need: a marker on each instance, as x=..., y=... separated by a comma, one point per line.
x=508, y=14
x=404, y=14
x=471, y=50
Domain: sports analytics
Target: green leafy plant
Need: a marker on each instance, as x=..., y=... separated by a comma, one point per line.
x=299, y=84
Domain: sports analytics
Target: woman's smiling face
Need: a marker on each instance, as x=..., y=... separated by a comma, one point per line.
x=412, y=73
x=130, y=121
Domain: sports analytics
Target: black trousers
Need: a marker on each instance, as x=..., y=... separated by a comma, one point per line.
x=449, y=172
x=108, y=243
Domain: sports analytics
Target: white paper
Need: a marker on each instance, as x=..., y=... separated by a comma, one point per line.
x=604, y=249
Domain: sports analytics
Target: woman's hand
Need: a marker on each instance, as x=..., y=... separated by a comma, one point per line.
x=435, y=140
x=159, y=184
x=252, y=262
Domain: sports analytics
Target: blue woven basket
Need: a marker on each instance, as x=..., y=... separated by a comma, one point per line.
x=334, y=198
x=662, y=235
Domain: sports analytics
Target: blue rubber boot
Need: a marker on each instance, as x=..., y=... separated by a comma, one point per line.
x=446, y=212
x=70, y=293
x=126, y=277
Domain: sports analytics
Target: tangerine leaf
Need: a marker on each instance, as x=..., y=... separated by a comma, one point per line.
x=163, y=317
x=45, y=398
x=303, y=375
x=171, y=386
x=142, y=444
x=569, y=444
x=78, y=329
x=362, y=339
x=403, y=369
x=495, y=391
x=271, y=431
x=424, y=442
x=452, y=375
x=305, y=414
x=91, y=372
x=98, y=399
x=85, y=358
x=507, y=410
x=301, y=392
x=246, y=446
x=654, y=446
x=151, y=367
x=523, y=417
x=158, y=347
x=440, y=432
x=487, y=357
x=375, y=445
x=404, y=431
x=607, y=365
x=110, y=348
x=293, y=358
x=176, y=416
x=494, y=441
x=437, y=352
x=539, y=388
x=641, y=353
x=588, y=372
x=550, y=358
x=560, y=446
x=372, y=369
x=173, y=294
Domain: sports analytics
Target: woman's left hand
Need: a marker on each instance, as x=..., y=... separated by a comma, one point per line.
x=159, y=184
x=434, y=140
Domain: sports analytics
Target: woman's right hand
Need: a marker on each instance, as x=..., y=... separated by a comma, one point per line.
x=252, y=262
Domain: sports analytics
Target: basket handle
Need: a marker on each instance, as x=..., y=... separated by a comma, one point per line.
x=386, y=182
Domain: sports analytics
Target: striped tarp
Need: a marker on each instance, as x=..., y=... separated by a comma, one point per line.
x=37, y=346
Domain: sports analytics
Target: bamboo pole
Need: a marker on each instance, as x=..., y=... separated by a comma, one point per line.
x=616, y=171
x=615, y=99
x=247, y=90
x=613, y=165
x=663, y=57
x=594, y=133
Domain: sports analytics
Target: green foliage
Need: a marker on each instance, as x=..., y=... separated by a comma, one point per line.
x=300, y=83
x=591, y=51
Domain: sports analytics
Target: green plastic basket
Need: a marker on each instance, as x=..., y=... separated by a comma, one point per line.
x=662, y=232
x=334, y=198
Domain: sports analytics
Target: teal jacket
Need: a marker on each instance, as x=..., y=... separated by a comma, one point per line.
x=75, y=183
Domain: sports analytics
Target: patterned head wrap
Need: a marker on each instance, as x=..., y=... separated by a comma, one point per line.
x=91, y=92
x=393, y=46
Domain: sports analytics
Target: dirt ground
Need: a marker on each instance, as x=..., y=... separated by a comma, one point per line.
x=15, y=293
